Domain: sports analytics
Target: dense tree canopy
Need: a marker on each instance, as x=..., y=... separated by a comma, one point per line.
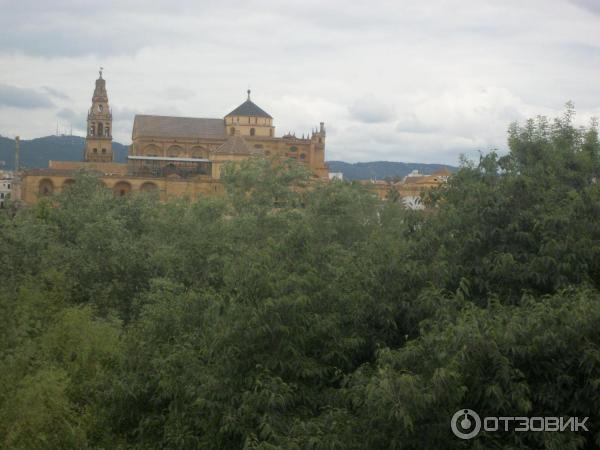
x=297, y=315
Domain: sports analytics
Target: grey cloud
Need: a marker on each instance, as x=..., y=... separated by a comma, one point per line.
x=75, y=28
x=590, y=5
x=56, y=93
x=68, y=114
x=123, y=120
x=123, y=112
x=178, y=93
x=371, y=110
x=56, y=43
x=411, y=124
x=17, y=97
x=71, y=119
x=64, y=31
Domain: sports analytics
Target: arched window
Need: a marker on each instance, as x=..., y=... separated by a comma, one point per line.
x=175, y=151
x=121, y=189
x=107, y=131
x=104, y=151
x=151, y=150
x=199, y=152
x=92, y=129
x=252, y=131
x=231, y=131
x=148, y=187
x=302, y=156
x=95, y=150
x=46, y=187
x=100, y=130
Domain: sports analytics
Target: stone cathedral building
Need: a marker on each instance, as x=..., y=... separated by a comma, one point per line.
x=175, y=155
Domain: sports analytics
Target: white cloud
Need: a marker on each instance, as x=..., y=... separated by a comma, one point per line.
x=398, y=80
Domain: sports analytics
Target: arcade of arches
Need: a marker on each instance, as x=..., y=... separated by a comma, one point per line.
x=39, y=185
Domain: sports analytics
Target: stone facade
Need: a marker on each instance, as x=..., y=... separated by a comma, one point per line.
x=176, y=156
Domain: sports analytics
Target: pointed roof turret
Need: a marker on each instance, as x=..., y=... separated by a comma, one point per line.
x=100, y=94
x=250, y=109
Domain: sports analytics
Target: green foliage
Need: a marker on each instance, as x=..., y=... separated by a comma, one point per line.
x=304, y=315
x=256, y=186
x=39, y=415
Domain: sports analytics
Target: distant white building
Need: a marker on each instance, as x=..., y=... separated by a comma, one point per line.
x=336, y=176
x=6, y=186
x=414, y=174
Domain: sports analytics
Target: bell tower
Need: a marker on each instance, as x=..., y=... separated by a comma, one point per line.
x=98, y=142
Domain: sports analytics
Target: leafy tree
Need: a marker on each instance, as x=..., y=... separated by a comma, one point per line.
x=295, y=314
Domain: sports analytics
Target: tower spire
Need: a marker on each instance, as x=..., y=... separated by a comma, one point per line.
x=98, y=142
x=248, y=94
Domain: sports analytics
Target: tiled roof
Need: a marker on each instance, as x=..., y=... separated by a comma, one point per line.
x=237, y=145
x=249, y=108
x=178, y=127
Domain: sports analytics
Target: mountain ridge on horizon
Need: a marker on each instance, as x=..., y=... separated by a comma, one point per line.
x=378, y=170
x=35, y=153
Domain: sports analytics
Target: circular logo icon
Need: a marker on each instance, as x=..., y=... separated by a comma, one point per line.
x=465, y=424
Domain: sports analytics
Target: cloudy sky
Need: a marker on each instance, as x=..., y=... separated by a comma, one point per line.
x=393, y=80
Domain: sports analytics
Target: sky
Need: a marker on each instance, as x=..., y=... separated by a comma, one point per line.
x=392, y=80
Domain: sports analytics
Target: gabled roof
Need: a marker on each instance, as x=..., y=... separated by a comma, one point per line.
x=249, y=108
x=237, y=145
x=178, y=127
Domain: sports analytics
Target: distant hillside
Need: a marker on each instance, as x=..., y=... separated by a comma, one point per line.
x=378, y=170
x=37, y=152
